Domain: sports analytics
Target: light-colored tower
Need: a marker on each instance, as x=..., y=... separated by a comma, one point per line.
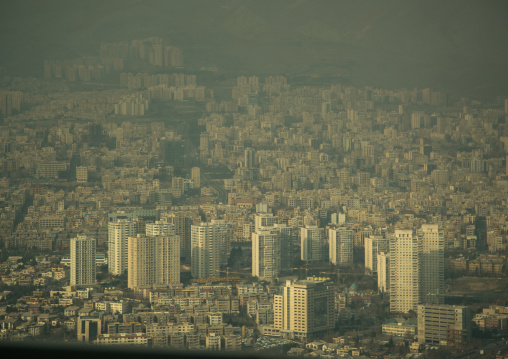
x=266, y=250
x=288, y=236
x=183, y=228
x=160, y=228
x=262, y=220
x=141, y=270
x=272, y=251
x=118, y=232
x=224, y=228
x=340, y=246
x=404, y=272
x=196, y=177
x=83, y=267
x=383, y=272
x=305, y=308
x=312, y=243
x=205, y=251
x=431, y=264
x=373, y=246
x=153, y=260
x=167, y=255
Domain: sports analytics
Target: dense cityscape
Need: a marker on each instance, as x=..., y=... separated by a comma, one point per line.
x=148, y=203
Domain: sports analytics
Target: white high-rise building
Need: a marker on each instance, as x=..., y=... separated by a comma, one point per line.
x=160, y=228
x=205, y=251
x=373, y=246
x=167, y=255
x=288, y=237
x=431, y=264
x=340, y=246
x=196, y=176
x=225, y=229
x=141, y=258
x=118, y=232
x=272, y=251
x=183, y=224
x=153, y=260
x=83, y=267
x=404, y=272
x=383, y=272
x=312, y=240
x=266, y=253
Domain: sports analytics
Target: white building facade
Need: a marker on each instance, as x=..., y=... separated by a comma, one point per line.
x=118, y=232
x=340, y=246
x=404, y=272
x=83, y=267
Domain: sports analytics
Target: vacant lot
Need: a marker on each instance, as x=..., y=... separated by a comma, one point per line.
x=472, y=284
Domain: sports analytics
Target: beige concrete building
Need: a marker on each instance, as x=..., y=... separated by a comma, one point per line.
x=266, y=253
x=196, y=177
x=404, y=272
x=304, y=309
x=383, y=272
x=83, y=267
x=312, y=240
x=82, y=174
x=88, y=328
x=160, y=228
x=118, y=232
x=124, y=339
x=447, y=324
x=431, y=264
x=340, y=246
x=153, y=260
x=262, y=220
x=205, y=251
x=373, y=246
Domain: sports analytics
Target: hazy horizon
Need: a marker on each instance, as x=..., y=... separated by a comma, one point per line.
x=453, y=46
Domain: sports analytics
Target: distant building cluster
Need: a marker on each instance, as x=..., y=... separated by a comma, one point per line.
x=152, y=50
x=115, y=57
x=10, y=102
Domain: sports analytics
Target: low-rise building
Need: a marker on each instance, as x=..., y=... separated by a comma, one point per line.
x=444, y=323
x=399, y=329
x=123, y=339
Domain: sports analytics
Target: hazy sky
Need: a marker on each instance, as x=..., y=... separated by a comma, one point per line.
x=455, y=45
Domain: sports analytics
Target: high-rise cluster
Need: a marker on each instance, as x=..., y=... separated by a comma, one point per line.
x=416, y=268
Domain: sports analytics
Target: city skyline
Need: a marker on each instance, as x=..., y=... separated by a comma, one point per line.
x=291, y=178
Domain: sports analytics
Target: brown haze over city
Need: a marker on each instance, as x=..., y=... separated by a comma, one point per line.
x=288, y=177
x=450, y=45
